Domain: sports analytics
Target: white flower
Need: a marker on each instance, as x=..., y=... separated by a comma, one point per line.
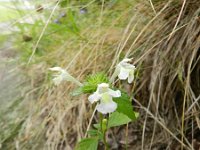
x=104, y=94
x=63, y=75
x=124, y=70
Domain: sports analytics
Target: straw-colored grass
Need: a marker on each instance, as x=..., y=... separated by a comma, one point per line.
x=162, y=38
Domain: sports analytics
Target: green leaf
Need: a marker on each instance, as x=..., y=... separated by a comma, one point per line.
x=96, y=133
x=64, y=3
x=92, y=82
x=93, y=132
x=97, y=126
x=87, y=144
x=117, y=119
x=124, y=106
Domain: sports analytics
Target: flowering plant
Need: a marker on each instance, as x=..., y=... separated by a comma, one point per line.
x=114, y=106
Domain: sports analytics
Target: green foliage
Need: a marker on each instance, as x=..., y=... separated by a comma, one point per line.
x=115, y=119
x=118, y=119
x=125, y=107
x=11, y=121
x=92, y=82
x=88, y=144
x=9, y=138
x=72, y=22
x=96, y=133
x=97, y=126
x=64, y=3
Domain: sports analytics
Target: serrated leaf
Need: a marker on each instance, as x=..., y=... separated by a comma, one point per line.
x=124, y=106
x=87, y=144
x=117, y=119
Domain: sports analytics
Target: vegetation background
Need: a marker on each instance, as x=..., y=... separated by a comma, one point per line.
x=89, y=36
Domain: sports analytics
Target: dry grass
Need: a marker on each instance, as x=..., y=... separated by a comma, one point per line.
x=164, y=44
x=167, y=54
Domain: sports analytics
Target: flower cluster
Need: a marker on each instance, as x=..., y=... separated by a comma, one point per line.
x=103, y=95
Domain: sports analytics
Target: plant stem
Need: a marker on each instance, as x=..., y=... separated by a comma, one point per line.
x=101, y=120
x=106, y=147
x=126, y=136
x=104, y=141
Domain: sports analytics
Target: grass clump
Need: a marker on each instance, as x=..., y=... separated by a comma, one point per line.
x=165, y=48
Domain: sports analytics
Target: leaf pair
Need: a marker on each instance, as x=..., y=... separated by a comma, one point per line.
x=115, y=119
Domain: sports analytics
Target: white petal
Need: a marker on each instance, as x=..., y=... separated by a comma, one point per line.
x=63, y=75
x=130, y=66
x=114, y=93
x=126, y=60
x=131, y=76
x=123, y=74
x=57, y=80
x=94, y=97
x=105, y=108
x=56, y=69
x=102, y=88
x=106, y=104
x=103, y=85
